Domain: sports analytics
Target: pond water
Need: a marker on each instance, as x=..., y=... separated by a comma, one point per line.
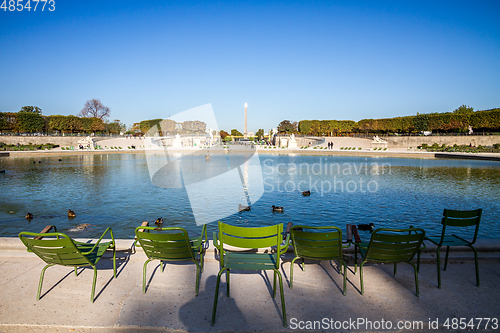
x=116, y=190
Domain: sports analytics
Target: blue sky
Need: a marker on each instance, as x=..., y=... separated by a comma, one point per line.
x=287, y=60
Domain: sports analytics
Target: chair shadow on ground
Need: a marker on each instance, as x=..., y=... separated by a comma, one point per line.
x=106, y=263
x=388, y=269
x=166, y=264
x=227, y=308
x=310, y=262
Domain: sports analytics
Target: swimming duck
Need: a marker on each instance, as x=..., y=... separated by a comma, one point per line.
x=306, y=193
x=29, y=216
x=159, y=221
x=277, y=209
x=242, y=208
x=71, y=213
x=366, y=227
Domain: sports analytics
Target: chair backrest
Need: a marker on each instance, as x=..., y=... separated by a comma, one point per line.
x=250, y=238
x=170, y=243
x=55, y=248
x=394, y=245
x=323, y=243
x=461, y=218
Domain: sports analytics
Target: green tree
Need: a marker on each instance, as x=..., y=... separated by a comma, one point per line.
x=260, y=134
x=29, y=122
x=3, y=122
x=147, y=125
x=193, y=126
x=115, y=127
x=167, y=127
x=72, y=124
x=421, y=122
x=464, y=109
x=286, y=126
x=235, y=132
x=32, y=109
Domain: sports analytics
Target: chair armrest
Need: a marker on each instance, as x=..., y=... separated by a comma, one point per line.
x=198, y=242
x=215, y=240
x=99, y=240
x=284, y=246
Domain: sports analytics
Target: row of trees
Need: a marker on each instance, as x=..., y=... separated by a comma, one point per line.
x=30, y=120
x=170, y=127
x=449, y=122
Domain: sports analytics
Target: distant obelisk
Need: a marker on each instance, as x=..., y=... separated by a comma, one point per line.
x=245, y=128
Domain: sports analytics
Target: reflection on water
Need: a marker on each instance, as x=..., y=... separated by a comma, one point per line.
x=116, y=190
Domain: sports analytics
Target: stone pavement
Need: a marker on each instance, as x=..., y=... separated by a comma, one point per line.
x=170, y=304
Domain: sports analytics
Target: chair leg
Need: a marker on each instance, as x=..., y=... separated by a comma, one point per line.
x=418, y=261
x=274, y=284
x=415, y=270
x=76, y=271
x=114, y=262
x=476, y=264
x=395, y=268
x=361, y=278
x=201, y=258
x=345, y=273
x=277, y=272
x=41, y=281
x=214, y=309
x=303, y=265
x=161, y=266
x=438, y=266
x=291, y=271
x=446, y=258
x=144, y=276
x=355, y=258
x=227, y=280
x=197, y=278
x=93, y=285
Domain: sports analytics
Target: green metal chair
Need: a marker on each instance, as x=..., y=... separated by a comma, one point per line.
x=171, y=244
x=456, y=218
x=393, y=246
x=250, y=238
x=59, y=249
x=317, y=243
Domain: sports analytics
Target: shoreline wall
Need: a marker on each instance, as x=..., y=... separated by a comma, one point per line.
x=414, y=141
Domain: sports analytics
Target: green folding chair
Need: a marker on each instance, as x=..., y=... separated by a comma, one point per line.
x=59, y=249
x=171, y=244
x=460, y=219
x=317, y=243
x=250, y=238
x=393, y=246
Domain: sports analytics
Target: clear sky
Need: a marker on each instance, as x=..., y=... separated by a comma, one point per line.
x=287, y=60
